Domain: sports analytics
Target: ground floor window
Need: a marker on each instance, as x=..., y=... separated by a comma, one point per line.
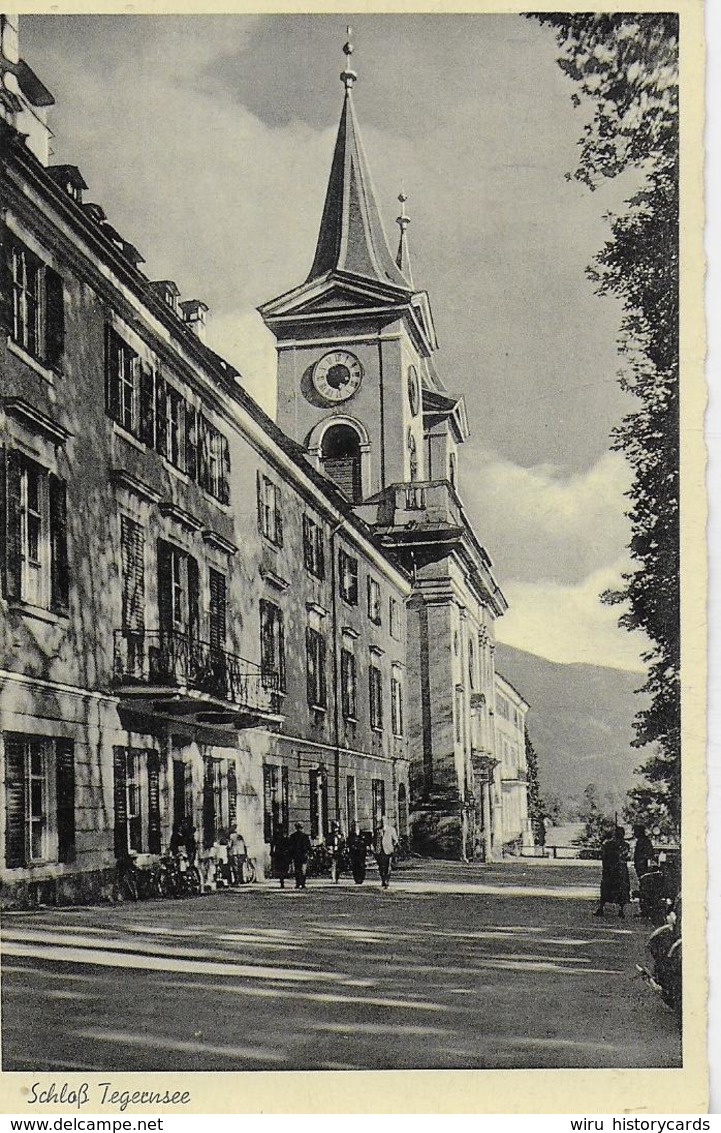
x=318, y=782
x=378, y=792
x=351, y=801
x=39, y=800
x=275, y=801
x=136, y=773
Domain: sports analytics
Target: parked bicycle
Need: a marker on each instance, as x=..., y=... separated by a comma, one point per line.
x=181, y=878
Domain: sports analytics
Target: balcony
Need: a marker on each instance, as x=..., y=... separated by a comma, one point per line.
x=174, y=675
x=428, y=503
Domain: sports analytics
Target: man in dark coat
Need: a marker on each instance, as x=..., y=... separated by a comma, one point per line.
x=615, y=882
x=357, y=849
x=299, y=851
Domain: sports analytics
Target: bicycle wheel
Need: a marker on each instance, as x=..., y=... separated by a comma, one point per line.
x=248, y=872
x=194, y=885
x=128, y=887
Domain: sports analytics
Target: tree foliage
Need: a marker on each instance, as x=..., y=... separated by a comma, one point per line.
x=626, y=70
x=596, y=822
x=535, y=805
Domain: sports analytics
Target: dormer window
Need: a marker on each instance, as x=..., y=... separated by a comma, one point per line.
x=168, y=292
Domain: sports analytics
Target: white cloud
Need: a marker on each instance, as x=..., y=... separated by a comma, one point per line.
x=541, y=524
x=569, y=624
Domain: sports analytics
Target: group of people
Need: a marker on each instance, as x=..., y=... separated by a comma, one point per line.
x=615, y=855
x=292, y=853
x=228, y=853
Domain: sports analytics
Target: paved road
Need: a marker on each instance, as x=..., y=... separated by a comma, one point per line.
x=454, y=966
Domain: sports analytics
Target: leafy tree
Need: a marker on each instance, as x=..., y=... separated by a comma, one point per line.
x=626, y=69
x=536, y=810
x=595, y=821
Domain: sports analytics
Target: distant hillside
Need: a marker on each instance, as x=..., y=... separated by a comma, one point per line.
x=580, y=723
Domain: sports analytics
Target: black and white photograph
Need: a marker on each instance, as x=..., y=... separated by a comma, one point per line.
x=343, y=724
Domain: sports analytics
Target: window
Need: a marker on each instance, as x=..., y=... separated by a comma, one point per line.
x=348, y=691
x=313, y=547
x=348, y=578
x=503, y=708
x=214, y=462
x=318, y=787
x=374, y=601
x=215, y=801
x=272, y=645
x=459, y=715
x=396, y=704
x=132, y=560
x=471, y=664
x=39, y=800
x=315, y=662
x=275, y=801
x=375, y=689
x=136, y=777
x=38, y=324
x=122, y=382
x=270, y=519
x=341, y=459
x=178, y=592
x=351, y=796
x=394, y=618
x=35, y=535
x=378, y=795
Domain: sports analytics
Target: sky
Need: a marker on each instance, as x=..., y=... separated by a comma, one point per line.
x=208, y=142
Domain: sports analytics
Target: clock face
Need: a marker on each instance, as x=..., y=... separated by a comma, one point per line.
x=413, y=390
x=337, y=376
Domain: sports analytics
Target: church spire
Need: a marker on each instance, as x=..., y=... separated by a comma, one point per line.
x=351, y=237
x=403, y=260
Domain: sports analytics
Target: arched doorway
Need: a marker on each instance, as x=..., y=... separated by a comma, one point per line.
x=341, y=459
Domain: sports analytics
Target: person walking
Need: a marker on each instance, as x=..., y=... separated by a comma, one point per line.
x=644, y=857
x=280, y=855
x=615, y=883
x=299, y=851
x=385, y=843
x=334, y=845
x=357, y=849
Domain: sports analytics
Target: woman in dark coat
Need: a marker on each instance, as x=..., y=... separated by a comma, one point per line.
x=357, y=848
x=615, y=882
x=280, y=856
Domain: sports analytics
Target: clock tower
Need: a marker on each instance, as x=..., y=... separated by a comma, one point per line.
x=355, y=340
x=358, y=388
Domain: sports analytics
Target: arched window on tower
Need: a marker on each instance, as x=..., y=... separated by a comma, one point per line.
x=341, y=459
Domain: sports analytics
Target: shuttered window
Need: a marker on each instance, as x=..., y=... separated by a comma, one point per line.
x=39, y=774
x=232, y=798
x=178, y=591
x=122, y=382
x=136, y=776
x=348, y=684
x=375, y=688
x=315, y=663
x=313, y=547
x=270, y=515
x=34, y=533
x=153, y=764
x=275, y=801
x=272, y=642
x=318, y=788
x=348, y=578
x=396, y=705
x=38, y=307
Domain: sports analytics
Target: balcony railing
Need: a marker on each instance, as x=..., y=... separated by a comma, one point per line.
x=169, y=661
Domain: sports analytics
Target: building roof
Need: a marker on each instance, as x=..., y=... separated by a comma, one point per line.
x=351, y=237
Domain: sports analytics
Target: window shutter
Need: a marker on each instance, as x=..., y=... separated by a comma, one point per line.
x=165, y=598
x=310, y=665
x=54, y=319
x=161, y=415
x=217, y=609
x=59, y=587
x=65, y=769
x=12, y=533
x=6, y=279
x=322, y=692
x=285, y=806
x=14, y=803
x=191, y=442
x=121, y=802
x=112, y=378
x=132, y=552
x=202, y=457
x=259, y=493
x=281, y=651
x=267, y=804
x=224, y=470
x=278, y=518
x=193, y=627
x=313, y=781
x=147, y=405
x=232, y=797
x=321, y=552
x=307, y=549
x=153, y=802
x=324, y=803
x=208, y=805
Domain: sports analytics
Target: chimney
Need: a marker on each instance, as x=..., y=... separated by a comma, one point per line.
x=194, y=315
x=24, y=99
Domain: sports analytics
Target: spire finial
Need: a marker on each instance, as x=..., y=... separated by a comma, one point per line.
x=402, y=258
x=348, y=75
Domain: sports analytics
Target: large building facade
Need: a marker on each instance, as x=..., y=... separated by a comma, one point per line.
x=206, y=614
